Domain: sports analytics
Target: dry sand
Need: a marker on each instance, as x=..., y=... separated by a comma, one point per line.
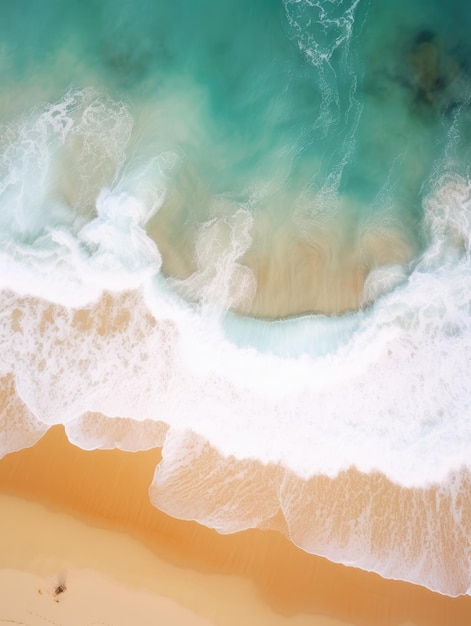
x=58, y=570
x=124, y=562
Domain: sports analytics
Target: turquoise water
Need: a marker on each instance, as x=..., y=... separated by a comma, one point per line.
x=277, y=196
x=290, y=107
x=319, y=118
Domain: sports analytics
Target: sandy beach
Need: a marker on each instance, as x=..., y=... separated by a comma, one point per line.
x=83, y=520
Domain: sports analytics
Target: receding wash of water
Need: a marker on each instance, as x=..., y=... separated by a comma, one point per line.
x=241, y=230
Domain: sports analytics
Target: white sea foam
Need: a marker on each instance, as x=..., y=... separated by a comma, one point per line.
x=385, y=389
x=73, y=213
x=323, y=29
x=398, y=339
x=355, y=404
x=336, y=26
x=220, y=282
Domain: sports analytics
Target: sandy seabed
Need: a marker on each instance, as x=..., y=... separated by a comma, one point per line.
x=82, y=545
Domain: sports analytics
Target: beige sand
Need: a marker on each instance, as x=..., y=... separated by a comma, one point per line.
x=300, y=265
x=255, y=577
x=88, y=599
x=56, y=569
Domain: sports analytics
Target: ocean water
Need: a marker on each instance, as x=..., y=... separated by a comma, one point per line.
x=241, y=230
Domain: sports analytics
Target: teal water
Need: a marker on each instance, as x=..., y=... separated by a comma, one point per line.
x=304, y=112
x=275, y=197
x=317, y=117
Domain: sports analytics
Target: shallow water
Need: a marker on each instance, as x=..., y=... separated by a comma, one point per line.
x=245, y=226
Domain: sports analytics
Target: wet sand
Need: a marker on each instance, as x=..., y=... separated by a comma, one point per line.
x=255, y=577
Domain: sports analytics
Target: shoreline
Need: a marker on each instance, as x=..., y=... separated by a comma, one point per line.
x=107, y=490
